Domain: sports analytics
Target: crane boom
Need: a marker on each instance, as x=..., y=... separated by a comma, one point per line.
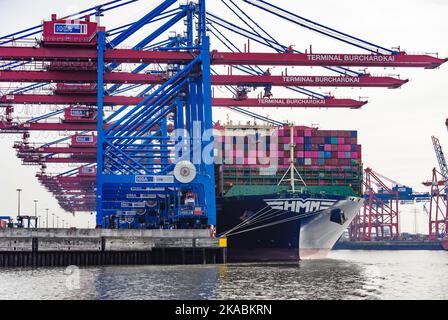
x=216, y=102
x=440, y=157
x=400, y=59
x=218, y=80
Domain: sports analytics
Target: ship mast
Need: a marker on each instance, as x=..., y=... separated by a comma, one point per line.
x=292, y=170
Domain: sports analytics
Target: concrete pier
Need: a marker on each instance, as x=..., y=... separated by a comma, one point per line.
x=88, y=247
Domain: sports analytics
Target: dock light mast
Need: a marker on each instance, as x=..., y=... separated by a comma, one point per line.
x=18, y=201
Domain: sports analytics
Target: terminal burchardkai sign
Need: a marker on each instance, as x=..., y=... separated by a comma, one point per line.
x=351, y=57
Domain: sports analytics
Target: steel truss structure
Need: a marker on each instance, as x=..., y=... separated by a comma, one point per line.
x=379, y=216
x=140, y=157
x=438, y=206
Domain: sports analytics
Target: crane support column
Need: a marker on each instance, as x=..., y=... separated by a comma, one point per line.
x=208, y=159
x=100, y=135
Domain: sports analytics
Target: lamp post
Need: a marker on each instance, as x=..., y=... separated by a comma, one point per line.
x=35, y=211
x=39, y=221
x=57, y=222
x=18, y=202
x=53, y=219
x=35, y=207
x=46, y=221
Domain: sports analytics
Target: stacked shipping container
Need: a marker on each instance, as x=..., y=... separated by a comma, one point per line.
x=323, y=157
x=322, y=148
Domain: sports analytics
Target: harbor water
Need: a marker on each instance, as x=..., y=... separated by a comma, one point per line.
x=344, y=275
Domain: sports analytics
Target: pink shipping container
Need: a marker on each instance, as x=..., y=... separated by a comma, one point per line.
x=229, y=153
x=320, y=140
x=252, y=161
x=299, y=140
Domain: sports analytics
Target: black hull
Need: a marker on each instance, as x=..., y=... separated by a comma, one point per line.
x=271, y=235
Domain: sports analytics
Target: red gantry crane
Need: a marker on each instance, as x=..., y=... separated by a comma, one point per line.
x=438, y=206
x=61, y=71
x=379, y=217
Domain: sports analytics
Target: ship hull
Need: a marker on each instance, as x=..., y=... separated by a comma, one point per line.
x=318, y=234
x=279, y=227
x=445, y=244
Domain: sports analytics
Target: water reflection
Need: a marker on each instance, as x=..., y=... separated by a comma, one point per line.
x=156, y=283
x=324, y=279
x=348, y=275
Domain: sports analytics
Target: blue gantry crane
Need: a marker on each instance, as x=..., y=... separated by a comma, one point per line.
x=137, y=172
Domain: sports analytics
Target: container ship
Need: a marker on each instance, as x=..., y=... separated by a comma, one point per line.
x=296, y=208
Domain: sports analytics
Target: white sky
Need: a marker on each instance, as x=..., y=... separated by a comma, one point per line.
x=395, y=128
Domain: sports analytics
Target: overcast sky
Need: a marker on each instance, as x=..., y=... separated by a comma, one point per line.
x=395, y=128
